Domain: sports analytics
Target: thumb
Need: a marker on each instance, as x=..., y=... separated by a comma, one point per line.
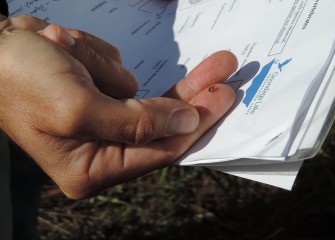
x=101, y=59
x=140, y=121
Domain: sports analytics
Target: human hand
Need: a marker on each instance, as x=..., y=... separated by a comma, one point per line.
x=67, y=115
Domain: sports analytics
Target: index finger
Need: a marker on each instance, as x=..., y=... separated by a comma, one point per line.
x=214, y=69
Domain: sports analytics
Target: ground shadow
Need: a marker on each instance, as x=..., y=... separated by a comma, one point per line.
x=242, y=77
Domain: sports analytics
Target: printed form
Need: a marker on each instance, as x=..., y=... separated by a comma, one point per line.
x=285, y=82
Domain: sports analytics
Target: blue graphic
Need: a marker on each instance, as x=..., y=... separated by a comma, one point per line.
x=281, y=65
x=257, y=82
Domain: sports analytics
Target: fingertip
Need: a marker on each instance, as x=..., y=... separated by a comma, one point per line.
x=182, y=121
x=59, y=35
x=50, y=32
x=226, y=59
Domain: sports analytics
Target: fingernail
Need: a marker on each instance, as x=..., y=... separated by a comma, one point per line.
x=65, y=37
x=181, y=122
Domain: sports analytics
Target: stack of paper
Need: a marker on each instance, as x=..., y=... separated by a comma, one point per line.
x=285, y=85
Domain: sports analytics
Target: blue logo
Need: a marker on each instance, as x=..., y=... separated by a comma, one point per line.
x=264, y=74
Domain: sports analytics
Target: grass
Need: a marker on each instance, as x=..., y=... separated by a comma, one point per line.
x=197, y=203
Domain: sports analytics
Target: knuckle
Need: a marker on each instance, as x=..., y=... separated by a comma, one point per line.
x=144, y=131
x=25, y=22
x=94, y=57
x=71, y=114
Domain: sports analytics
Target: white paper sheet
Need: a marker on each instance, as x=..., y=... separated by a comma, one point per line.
x=286, y=55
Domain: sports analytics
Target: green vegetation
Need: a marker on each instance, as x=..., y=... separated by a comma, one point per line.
x=197, y=203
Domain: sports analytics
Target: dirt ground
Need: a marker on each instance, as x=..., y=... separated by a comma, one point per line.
x=197, y=203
